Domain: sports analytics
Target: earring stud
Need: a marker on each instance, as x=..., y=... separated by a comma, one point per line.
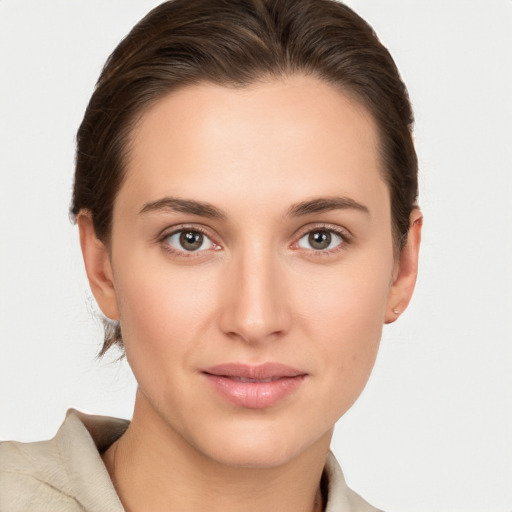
x=395, y=310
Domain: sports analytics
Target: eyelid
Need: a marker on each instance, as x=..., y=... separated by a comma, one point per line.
x=172, y=230
x=342, y=232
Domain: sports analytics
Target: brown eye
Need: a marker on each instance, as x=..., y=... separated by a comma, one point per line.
x=189, y=240
x=320, y=240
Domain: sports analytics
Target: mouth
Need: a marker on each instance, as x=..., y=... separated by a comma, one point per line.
x=254, y=387
x=247, y=379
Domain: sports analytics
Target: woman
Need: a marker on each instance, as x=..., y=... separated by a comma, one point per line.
x=245, y=192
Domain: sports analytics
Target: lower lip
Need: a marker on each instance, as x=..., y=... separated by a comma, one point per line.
x=255, y=395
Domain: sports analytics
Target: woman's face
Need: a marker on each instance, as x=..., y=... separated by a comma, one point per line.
x=252, y=265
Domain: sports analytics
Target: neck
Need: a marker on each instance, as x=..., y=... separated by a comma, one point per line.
x=153, y=468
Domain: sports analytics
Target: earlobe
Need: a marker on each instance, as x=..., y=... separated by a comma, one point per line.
x=404, y=279
x=97, y=266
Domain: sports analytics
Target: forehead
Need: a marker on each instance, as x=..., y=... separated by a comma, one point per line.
x=294, y=136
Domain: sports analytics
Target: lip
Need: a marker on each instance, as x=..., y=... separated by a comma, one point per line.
x=254, y=387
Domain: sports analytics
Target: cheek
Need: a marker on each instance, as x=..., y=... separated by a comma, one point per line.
x=344, y=315
x=351, y=328
x=347, y=301
x=161, y=311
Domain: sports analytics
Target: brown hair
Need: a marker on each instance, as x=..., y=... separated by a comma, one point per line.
x=236, y=43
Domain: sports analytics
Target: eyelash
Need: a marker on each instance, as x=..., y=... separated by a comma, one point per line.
x=343, y=234
x=183, y=253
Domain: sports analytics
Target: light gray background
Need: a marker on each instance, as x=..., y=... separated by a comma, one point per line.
x=433, y=429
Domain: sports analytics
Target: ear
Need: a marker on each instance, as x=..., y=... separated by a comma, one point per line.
x=406, y=271
x=97, y=266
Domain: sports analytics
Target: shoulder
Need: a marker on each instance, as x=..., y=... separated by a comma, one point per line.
x=62, y=474
x=34, y=474
x=340, y=498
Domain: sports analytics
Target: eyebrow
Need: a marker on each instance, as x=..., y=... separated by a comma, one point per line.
x=324, y=204
x=192, y=207
x=203, y=209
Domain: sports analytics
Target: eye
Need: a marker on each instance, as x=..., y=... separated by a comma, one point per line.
x=320, y=240
x=189, y=240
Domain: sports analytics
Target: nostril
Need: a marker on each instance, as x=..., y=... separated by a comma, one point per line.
x=253, y=336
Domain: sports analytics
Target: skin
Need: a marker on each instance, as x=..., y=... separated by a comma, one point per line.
x=259, y=292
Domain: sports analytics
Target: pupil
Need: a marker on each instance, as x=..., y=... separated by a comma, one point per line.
x=191, y=240
x=320, y=239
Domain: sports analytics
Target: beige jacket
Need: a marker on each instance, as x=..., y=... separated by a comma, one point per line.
x=66, y=473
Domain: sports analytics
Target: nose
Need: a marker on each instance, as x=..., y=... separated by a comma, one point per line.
x=254, y=305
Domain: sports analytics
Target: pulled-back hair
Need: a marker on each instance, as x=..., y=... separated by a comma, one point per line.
x=237, y=43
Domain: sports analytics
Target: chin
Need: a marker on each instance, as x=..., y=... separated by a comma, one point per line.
x=260, y=447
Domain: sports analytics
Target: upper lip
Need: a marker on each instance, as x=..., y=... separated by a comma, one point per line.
x=263, y=371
